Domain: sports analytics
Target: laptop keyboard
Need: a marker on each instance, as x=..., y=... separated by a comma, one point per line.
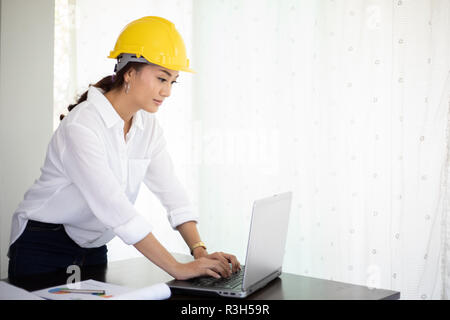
x=233, y=282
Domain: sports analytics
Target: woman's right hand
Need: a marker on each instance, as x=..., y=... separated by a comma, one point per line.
x=202, y=267
x=156, y=253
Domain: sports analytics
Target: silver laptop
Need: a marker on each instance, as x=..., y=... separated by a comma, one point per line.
x=265, y=251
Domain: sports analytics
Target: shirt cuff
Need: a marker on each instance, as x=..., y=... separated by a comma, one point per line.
x=134, y=230
x=180, y=216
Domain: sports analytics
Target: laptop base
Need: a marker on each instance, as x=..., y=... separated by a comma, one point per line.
x=184, y=287
x=206, y=293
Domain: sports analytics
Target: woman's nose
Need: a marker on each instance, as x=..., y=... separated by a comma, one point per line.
x=165, y=91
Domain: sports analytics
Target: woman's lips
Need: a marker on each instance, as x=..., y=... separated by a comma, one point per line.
x=158, y=102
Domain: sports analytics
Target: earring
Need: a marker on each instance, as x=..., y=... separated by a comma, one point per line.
x=127, y=88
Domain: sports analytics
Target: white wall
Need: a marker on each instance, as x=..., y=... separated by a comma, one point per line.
x=26, y=102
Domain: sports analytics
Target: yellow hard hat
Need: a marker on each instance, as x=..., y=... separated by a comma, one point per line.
x=154, y=40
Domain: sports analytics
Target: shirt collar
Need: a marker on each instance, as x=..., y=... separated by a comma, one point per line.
x=107, y=111
x=137, y=120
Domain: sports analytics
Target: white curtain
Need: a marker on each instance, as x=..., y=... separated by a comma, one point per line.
x=343, y=102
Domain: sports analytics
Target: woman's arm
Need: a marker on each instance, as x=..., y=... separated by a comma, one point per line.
x=189, y=232
x=151, y=248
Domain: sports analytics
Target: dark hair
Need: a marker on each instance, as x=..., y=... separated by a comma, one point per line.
x=108, y=83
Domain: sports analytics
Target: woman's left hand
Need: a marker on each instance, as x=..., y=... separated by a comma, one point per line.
x=223, y=257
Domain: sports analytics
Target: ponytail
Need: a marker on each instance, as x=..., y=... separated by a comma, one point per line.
x=107, y=84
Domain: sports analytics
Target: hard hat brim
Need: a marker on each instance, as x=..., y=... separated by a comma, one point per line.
x=115, y=55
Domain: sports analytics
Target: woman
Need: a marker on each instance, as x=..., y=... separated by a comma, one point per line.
x=108, y=144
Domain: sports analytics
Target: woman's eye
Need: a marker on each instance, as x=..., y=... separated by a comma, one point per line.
x=164, y=80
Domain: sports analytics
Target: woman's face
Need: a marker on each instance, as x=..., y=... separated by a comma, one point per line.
x=151, y=85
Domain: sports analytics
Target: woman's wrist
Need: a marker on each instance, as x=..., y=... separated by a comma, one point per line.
x=175, y=270
x=199, y=252
x=152, y=249
x=196, y=245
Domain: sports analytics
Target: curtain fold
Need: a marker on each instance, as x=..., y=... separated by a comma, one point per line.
x=444, y=203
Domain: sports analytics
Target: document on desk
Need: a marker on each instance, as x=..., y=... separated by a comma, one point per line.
x=10, y=292
x=103, y=291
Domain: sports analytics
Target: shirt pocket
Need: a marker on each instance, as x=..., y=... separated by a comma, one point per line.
x=136, y=173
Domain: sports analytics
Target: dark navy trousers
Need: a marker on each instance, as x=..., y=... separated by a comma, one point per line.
x=46, y=247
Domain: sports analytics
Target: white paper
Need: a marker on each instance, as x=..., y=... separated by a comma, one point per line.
x=158, y=291
x=10, y=292
x=55, y=293
x=112, y=292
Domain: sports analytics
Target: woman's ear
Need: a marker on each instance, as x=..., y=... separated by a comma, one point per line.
x=129, y=74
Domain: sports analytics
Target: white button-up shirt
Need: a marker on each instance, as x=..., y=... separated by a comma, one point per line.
x=91, y=177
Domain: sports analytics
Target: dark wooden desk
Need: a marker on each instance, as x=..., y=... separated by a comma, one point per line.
x=140, y=272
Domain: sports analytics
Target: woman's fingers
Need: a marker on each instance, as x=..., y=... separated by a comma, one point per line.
x=235, y=265
x=211, y=273
x=223, y=261
x=218, y=264
x=224, y=267
x=215, y=266
x=226, y=259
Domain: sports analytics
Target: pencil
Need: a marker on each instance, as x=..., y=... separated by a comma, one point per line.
x=85, y=291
